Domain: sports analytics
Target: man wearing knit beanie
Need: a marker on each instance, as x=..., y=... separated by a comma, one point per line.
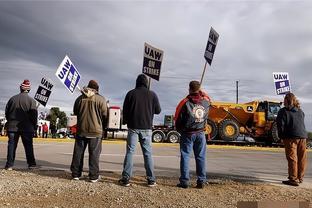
x=25, y=86
x=21, y=114
x=91, y=111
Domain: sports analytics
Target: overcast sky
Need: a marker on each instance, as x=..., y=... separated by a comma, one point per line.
x=105, y=40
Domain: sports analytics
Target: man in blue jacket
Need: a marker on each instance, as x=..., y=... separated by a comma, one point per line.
x=21, y=114
x=139, y=108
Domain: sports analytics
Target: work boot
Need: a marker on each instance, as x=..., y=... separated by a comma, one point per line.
x=291, y=183
x=200, y=185
x=182, y=185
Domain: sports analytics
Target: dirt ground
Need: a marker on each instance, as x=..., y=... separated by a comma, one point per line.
x=55, y=189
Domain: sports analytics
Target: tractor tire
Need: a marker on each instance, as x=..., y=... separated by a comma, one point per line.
x=211, y=130
x=228, y=130
x=173, y=137
x=274, y=134
x=158, y=136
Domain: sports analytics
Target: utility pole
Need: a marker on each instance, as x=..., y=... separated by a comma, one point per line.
x=237, y=92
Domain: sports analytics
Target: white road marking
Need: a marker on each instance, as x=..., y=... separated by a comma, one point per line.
x=122, y=155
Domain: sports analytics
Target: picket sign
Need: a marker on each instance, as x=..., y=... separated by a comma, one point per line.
x=210, y=49
x=68, y=74
x=43, y=92
x=281, y=82
x=152, y=59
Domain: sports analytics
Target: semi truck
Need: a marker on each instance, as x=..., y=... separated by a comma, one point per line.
x=114, y=124
x=166, y=132
x=226, y=122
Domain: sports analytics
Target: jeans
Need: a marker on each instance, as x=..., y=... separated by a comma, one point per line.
x=94, y=148
x=27, y=139
x=197, y=142
x=145, y=140
x=45, y=135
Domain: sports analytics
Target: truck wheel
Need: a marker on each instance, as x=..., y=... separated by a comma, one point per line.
x=173, y=137
x=274, y=133
x=211, y=129
x=158, y=136
x=228, y=130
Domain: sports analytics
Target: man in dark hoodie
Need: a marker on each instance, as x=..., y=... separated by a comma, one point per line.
x=139, y=108
x=91, y=111
x=291, y=129
x=21, y=114
x=190, y=119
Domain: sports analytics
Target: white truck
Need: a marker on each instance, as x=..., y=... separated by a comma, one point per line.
x=114, y=127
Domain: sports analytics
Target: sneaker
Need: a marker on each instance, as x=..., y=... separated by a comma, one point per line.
x=200, y=185
x=300, y=180
x=151, y=183
x=8, y=168
x=124, y=182
x=94, y=180
x=33, y=167
x=291, y=183
x=76, y=178
x=182, y=185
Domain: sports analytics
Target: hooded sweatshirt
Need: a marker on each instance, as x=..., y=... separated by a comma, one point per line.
x=290, y=123
x=192, y=113
x=140, y=105
x=91, y=111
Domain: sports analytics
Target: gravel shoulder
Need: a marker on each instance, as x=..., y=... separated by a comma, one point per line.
x=54, y=188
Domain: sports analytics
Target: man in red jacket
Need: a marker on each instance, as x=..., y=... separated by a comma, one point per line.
x=190, y=119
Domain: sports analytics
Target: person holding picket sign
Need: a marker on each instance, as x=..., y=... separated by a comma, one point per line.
x=21, y=114
x=190, y=118
x=291, y=129
x=91, y=111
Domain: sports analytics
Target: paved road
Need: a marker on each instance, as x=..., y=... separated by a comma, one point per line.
x=244, y=164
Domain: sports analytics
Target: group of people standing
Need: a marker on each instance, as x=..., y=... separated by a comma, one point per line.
x=45, y=130
x=139, y=107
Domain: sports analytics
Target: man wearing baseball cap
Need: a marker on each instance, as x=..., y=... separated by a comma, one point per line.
x=91, y=110
x=21, y=114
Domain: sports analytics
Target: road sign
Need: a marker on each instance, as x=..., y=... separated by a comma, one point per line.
x=281, y=82
x=68, y=74
x=44, y=91
x=152, y=61
x=211, y=45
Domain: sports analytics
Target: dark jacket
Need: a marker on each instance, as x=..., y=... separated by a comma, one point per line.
x=192, y=113
x=91, y=111
x=290, y=123
x=140, y=105
x=21, y=113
